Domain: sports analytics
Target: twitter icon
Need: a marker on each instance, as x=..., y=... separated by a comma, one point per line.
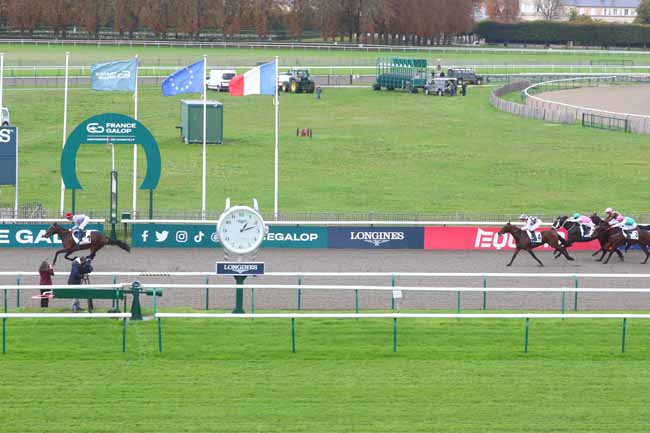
x=162, y=236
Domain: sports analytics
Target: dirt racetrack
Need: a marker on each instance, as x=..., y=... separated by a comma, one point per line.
x=620, y=99
x=279, y=260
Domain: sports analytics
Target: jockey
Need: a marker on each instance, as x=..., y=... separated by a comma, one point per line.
x=531, y=224
x=611, y=216
x=585, y=223
x=80, y=222
x=628, y=225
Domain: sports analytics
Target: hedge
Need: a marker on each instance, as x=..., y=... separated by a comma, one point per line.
x=552, y=32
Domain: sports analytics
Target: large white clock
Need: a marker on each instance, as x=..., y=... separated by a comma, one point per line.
x=241, y=229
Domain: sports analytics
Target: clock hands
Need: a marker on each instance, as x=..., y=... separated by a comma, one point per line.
x=243, y=227
x=248, y=228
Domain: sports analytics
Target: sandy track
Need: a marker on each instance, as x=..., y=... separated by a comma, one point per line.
x=357, y=261
x=620, y=99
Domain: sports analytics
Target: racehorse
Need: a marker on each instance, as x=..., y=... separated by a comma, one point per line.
x=602, y=236
x=522, y=242
x=617, y=240
x=574, y=235
x=97, y=242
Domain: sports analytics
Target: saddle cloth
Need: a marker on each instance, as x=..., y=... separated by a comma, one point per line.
x=535, y=237
x=586, y=230
x=85, y=240
x=634, y=234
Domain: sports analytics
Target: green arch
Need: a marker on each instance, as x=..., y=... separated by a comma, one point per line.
x=117, y=129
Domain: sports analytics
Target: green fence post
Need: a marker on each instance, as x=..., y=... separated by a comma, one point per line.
x=623, y=336
x=18, y=292
x=4, y=335
x=395, y=334
x=299, y=293
x=563, y=303
x=356, y=301
x=484, y=292
x=526, y=337
x=159, y=336
x=124, y=335
x=458, y=303
x=293, y=335
x=575, y=296
x=392, y=299
x=4, y=299
x=252, y=301
x=115, y=303
x=207, y=293
x=155, y=302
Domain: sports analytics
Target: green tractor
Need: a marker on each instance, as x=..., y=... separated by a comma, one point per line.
x=296, y=81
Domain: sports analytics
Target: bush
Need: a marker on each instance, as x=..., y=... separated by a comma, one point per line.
x=551, y=32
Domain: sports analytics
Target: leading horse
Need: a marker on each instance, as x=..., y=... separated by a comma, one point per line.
x=522, y=242
x=97, y=242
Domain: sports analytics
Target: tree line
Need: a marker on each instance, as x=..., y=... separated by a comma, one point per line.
x=360, y=21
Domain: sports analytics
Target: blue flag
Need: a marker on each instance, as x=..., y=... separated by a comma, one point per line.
x=187, y=80
x=114, y=76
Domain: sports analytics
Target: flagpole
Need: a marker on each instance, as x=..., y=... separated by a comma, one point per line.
x=277, y=104
x=65, y=122
x=2, y=78
x=135, y=147
x=205, y=103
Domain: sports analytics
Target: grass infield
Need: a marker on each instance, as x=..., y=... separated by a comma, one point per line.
x=223, y=376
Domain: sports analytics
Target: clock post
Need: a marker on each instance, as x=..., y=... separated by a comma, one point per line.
x=241, y=231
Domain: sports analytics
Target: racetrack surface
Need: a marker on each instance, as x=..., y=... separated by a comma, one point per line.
x=280, y=260
x=619, y=99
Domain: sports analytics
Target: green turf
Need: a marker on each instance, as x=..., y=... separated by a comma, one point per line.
x=225, y=376
x=371, y=151
x=29, y=55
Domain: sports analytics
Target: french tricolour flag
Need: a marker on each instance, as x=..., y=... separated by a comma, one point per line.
x=261, y=80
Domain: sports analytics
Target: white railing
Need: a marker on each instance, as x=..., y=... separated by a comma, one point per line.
x=398, y=316
x=322, y=46
x=45, y=220
x=336, y=274
x=333, y=223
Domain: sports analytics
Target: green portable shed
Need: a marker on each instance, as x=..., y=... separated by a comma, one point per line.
x=192, y=121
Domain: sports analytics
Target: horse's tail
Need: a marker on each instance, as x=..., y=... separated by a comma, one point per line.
x=120, y=244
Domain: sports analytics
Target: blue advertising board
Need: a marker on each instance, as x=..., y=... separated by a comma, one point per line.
x=376, y=237
x=8, y=155
x=205, y=236
x=33, y=235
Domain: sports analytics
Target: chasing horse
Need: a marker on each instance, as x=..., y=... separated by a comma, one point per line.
x=581, y=229
x=616, y=240
x=523, y=242
x=70, y=244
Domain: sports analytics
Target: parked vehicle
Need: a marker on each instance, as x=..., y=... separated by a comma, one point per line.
x=219, y=79
x=4, y=117
x=399, y=73
x=296, y=81
x=441, y=86
x=465, y=75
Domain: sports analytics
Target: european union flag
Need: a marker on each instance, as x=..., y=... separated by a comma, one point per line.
x=187, y=80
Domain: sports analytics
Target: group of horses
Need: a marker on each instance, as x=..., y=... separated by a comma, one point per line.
x=611, y=239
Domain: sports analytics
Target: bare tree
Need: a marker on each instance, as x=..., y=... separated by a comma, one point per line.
x=506, y=11
x=24, y=15
x=125, y=16
x=550, y=9
x=94, y=14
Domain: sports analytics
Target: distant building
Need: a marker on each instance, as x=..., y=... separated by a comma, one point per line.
x=614, y=11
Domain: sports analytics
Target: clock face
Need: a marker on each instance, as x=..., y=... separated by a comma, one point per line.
x=241, y=230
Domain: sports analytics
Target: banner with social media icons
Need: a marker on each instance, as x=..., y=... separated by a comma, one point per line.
x=204, y=236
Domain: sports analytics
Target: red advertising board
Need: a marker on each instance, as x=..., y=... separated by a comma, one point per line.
x=482, y=239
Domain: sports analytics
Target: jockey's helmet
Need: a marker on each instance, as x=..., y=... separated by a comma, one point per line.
x=620, y=218
x=523, y=216
x=576, y=215
x=609, y=210
x=68, y=215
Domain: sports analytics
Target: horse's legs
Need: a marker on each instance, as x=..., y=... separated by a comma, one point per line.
x=535, y=257
x=604, y=251
x=566, y=254
x=56, y=255
x=67, y=256
x=610, y=255
x=620, y=254
x=644, y=247
x=513, y=257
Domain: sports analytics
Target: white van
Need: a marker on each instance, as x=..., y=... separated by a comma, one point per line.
x=219, y=79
